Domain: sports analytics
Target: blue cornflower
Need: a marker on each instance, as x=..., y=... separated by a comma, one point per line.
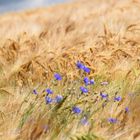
x=76, y=110
x=82, y=66
x=84, y=121
x=92, y=82
x=48, y=100
x=104, y=95
x=79, y=65
x=112, y=120
x=58, y=98
x=83, y=89
x=49, y=91
x=35, y=92
x=86, y=80
x=126, y=109
x=86, y=69
x=58, y=76
x=118, y=98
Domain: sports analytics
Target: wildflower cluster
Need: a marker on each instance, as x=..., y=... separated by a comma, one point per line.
x=85, y=88
x=87, y=81
x=58, y=98
x=83, y=67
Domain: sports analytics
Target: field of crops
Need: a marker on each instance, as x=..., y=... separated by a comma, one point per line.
x=71, y=72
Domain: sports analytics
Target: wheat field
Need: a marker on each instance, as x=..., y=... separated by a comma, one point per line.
x=103, y=35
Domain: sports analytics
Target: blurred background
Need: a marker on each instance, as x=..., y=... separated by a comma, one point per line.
x=17, y=5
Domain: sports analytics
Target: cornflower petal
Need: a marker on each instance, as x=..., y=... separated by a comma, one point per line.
x=84, y=121
x=76, y=110
x=86, y=81
x=48, y=100
x=58, y=76
x=35, y=92
x=112, y=120
x=49, y=91
x=79, y=65
x=104, y=95
x=84, y=90
x=92, y=82
x=119, y=98
x=126, y=109
x=86, y=69
x=58, y=98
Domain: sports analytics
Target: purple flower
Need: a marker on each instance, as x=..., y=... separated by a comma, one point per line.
x=112, y=120
x=35, y=92
x=92, y=82
x=118, y=98
x=49, y=91
x=86, y=80
x=82, y=66
x=104, y=95
x=79, y=65
x=84, y=121
x=126, y=109
x=48, y=100
x=86, y=69
x=76, y=110
x=58, y=76
x=83, y=89
x=104, y=83
x=58, y=98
